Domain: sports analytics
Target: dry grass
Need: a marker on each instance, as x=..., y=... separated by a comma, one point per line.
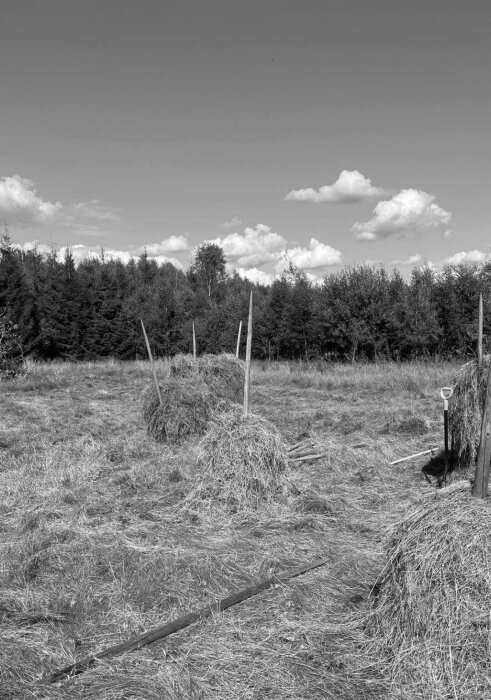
x=465, y=413
x=223, y=374
x=94, y=548
x=431, y=609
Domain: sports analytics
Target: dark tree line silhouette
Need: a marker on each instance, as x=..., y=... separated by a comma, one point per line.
x=93, y=310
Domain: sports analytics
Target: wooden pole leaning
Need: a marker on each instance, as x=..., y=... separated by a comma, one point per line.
x=480, y=334
x=247, y=378
x=238, y=340
x=194, y=341
x=483, y=466
x=150, y=357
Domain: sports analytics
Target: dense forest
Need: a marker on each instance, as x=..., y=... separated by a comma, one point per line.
x=93, y=310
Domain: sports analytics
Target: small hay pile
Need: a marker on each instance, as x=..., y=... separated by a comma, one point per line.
x=430, y=618
x=465, y=413
x=224, y=374
x=185, y=411
x=242, y=462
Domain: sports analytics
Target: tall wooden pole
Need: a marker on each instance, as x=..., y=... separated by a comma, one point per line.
x=248, y=360
x=150, y=357
x=238, y=340
x=483, y=466
x=479, y=334
x=194, y=342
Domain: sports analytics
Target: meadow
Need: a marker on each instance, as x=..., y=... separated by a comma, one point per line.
x=96, y=545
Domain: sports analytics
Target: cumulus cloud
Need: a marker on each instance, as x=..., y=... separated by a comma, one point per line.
x=351, y=186
x=469, y=257
x=21, y=206
x=253, y=248
x=317, y=256
x=409, y=210
x=173, y=244
x=255, y=276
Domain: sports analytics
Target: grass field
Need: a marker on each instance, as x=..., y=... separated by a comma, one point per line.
x=96, y=546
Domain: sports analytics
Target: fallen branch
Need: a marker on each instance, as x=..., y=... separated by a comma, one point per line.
x=161, y=632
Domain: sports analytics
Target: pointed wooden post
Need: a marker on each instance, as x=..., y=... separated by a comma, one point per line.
x=479, y=334
x=483, y=466
x=194, y=342
x=238, y=340
x=150, y=357
x=248, y=360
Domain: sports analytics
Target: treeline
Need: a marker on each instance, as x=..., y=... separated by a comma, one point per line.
x=93, y=310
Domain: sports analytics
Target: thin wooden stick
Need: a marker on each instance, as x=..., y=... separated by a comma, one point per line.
x=483, y=466
x=480, y=334
x=247, y=379
x=238, y=340
x=150, y=357
x=418, y=454
x=194, y=342
x=306, y=458
x=161, y=632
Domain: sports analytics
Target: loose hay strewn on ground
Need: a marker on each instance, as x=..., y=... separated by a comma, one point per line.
x=242, y=461
x=224, y=374
x=430, y=616
x=185, y=411
x=465, y=412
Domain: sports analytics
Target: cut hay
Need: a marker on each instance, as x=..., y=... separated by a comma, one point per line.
x=465, y=413
x=184, y=413
x=430, y=619
x=242, y=462
x=224, y=374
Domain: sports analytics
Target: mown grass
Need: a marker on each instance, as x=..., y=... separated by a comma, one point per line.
x=96, y=545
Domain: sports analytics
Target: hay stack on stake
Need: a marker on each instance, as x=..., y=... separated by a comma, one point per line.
x=224, y=374
x=242, y=460
x=183, y=411
x=430, y=620
x=465, y=413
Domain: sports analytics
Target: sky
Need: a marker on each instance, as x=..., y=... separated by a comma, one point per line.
x=326, y=132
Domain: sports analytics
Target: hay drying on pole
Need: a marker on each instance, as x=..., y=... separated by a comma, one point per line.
x=430, y=619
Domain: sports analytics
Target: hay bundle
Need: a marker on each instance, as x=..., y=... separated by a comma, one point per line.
x=242, y=460
x=431, y=615
x=185, y=411
x=224, y=373
x=465, y=410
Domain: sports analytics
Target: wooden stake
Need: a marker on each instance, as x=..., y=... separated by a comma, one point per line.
x=238, y=340
x=418, y=454
x=479, y=334
x=483, y=466
x=194, y=342
x=248, y=360
x=150, y=357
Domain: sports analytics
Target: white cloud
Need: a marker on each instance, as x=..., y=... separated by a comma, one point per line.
x=351, y=186
x=253, y=248
x=173, y=244
x=256, y=276
x=409, y=210
x=234, y=222
x=317, y=256
x=91, y=210
x=21, y=206
x=470, y=256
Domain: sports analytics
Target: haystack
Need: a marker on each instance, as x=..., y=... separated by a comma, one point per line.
x=465, y=410
x=185, y=411
x=224, y=374
x=430, y=619
x=242, y=461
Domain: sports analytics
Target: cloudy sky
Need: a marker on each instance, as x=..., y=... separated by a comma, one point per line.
x=333, y=132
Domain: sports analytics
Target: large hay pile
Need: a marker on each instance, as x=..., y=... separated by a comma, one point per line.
x=431, y=613
x=224, y=374
x=242, y=462
x=185, y=411
x=465, y=410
